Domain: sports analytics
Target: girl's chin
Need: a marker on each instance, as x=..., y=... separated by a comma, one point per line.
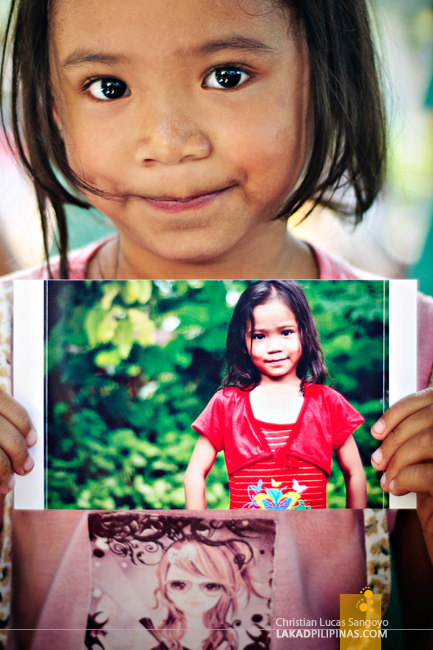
x=195, y=615
x=182, y=248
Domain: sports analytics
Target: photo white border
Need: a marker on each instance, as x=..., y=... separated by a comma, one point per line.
x=28, y=381
x=402, y=354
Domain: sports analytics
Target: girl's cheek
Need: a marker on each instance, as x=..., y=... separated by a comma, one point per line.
x=275, y=162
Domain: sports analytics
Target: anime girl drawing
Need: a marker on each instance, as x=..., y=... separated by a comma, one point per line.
x=205, y=584
x=200, y=586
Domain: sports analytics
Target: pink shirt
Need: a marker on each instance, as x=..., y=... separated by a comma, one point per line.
x=315, y=565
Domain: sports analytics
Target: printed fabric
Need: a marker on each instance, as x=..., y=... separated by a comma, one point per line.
x=378, y=554
x=5, y=384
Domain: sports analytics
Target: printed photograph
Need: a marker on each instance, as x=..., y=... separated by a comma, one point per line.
x=218, y=394
x=180, y=582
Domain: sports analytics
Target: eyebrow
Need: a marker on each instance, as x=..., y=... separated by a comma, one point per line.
x=78, y=57
x=288, y=325
x=233, y=43
x=245, y=43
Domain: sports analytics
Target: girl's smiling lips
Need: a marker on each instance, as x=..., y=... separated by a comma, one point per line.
x=173, y=204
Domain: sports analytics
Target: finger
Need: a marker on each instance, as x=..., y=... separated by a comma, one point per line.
x=14, y=446
x=413, y=478
x=416, y=450
x=401, y=410
x=7, y=479
x=407, y=429
x=17, y=415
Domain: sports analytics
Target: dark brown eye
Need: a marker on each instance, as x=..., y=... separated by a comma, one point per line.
x=108, y=88
x=225, y=78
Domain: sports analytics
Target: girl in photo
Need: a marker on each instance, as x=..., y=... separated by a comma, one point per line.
x=200, y=587
x=276, y=421
x=198, y=128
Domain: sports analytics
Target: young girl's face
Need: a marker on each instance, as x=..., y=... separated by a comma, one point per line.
x=274, y=343
x=194, y=595
x=192, y=114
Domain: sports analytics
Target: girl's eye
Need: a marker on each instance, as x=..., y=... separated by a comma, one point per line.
x=258, y=337
x=225, y=78
x=287, y=332
x=213, y=587
x=107, y=89
x=178, y=585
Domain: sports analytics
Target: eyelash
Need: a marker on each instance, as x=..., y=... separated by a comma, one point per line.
x=284, y=332
x=92, y=80
x=232, y=68
x=226, y=68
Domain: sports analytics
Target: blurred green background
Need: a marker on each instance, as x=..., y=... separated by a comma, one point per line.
x=131, y=364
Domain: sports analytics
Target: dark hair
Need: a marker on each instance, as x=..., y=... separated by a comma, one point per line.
x=241, y=372
x=349, y=141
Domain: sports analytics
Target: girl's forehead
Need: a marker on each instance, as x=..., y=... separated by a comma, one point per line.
x=130, y=26
x=275, y=308
x=176, y=573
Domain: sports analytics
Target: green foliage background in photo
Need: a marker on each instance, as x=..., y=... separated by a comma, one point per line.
x=132, y=363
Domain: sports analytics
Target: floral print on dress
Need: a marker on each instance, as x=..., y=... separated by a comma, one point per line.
x=276, y=498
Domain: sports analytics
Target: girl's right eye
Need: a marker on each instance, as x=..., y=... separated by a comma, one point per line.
x=108, y=88
x=258, y=337
x=212, y=587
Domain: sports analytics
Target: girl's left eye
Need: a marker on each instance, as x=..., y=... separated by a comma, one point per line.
x=286, y=332
x=108, y=88
x=213, y=587
x=226, y=78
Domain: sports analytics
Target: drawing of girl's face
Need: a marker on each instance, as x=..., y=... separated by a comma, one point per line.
x=192, y=594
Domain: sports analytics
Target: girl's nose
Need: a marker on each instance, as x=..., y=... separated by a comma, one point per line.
x=171, y=137
x=274, y=344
